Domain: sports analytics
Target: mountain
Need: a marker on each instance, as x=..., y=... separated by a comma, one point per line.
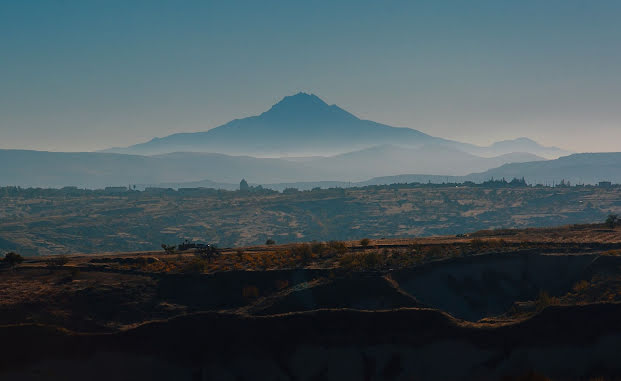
x=298, y=125
x=587, y=168
x=304, y=125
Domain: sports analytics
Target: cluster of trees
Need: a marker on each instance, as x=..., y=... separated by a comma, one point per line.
x=12, y=259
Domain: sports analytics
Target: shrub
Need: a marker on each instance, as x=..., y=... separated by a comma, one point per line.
x=337, y=247
x=372, y=260
x=612, y=221
x=302, y=251
x=13, y=259
x=318, y=248
x=580, y=286
x=434, y=252
x=544, y=300
x=348, y=261
x=270, y=242
x=365, y=242
x=208, y=253
x=477, y=244
x=196, y=266
x=169, y=249
x=57, y=261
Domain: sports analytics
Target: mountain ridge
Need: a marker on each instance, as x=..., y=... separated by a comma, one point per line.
x=98, y=170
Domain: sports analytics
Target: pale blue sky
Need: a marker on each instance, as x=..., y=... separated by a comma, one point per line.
x=85, y=75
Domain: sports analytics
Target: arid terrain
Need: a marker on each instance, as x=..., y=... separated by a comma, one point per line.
x=498, y=304
x=48, y=221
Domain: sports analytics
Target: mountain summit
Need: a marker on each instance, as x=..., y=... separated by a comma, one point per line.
x=303, y=106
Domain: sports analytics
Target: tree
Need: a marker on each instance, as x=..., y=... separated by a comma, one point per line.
x=243, y=185
x=208, y=252
x=270, y=242
x=168, y=249
x=365, y=242
x=13, y=259
x=612, y=221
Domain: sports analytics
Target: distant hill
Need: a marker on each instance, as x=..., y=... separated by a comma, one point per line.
x=519, y=145
x=304, y=125
x=98, y=170
x=440, y=160
x=588, y=168
x=187, y=169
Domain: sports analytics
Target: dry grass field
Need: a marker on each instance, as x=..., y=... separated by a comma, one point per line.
x=41, y=222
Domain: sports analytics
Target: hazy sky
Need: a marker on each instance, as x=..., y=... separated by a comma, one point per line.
x=85, y=74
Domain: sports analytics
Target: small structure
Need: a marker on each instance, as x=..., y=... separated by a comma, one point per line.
x=243, y=186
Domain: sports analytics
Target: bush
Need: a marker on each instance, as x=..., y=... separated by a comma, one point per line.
x=365, y=242
x=544, y=300
x=367, y=261
x=270, y=242
x=168, y=249
x=13, y=259
x=196, y=266
x=318, y=248
x=612, y=221
x=303, y=251
x=240, y=254
x=348, y=262
x=477, y=244
x=208, y=253
x=57, y=261
x=372, y=260
x=337, y=247
x=580, y=286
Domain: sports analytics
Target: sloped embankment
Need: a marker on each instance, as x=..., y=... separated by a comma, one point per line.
x=475, y=287
x=561, y=342
x=357, y=291
x=469, y=288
